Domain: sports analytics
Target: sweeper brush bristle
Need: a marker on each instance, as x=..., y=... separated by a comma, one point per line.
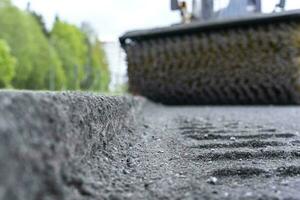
x=258, y=64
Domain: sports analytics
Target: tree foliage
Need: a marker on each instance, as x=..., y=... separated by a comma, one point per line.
x=70, y=45
x=40, y=20
x=7, y=65
x=30, y=47
x=63, y=58
x=96, y=67
x=15, y=29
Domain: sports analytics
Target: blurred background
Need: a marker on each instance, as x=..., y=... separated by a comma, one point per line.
x=73, y=45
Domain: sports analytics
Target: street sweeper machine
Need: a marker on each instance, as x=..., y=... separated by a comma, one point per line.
x=233, y=55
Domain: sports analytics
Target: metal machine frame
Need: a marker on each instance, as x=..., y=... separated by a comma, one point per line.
x=206, y=11
x=132, y=36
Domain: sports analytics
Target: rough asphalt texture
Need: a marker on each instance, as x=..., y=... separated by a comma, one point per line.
x=84, y=146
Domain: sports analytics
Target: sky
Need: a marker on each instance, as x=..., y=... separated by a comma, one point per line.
x=112, y=18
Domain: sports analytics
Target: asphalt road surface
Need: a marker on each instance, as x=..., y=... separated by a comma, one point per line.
x=220, y=152
x=124, y=148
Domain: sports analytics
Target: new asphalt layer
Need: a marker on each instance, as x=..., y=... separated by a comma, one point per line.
x=87, y=146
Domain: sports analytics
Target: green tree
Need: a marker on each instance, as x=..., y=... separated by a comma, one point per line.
x=101, y=74
x=15, y=30
x=56, y=78
x=36, y=57
x=97, y=76
x=5, y=3
x=7, y=65
x=40, y=20
x=70, y=45
x=47, y=72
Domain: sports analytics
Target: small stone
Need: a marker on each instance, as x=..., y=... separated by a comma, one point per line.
x=212, y=180
x=160, y=151
x=248, y=194
x=129, y=162
x=268, y=175
x=281, y=169
x=174, y=158
x=235, y=184
x=182, y=173
x=297, y=153
x=206, y=136
x=115, y=149
x=114, y=197
x=285, y=183
x=130, y=131
x=146, y=185
x=233, y=138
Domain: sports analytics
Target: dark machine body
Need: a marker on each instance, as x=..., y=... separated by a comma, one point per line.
x=236, y=55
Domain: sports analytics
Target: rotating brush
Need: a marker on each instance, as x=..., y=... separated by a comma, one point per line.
x=252, y=60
